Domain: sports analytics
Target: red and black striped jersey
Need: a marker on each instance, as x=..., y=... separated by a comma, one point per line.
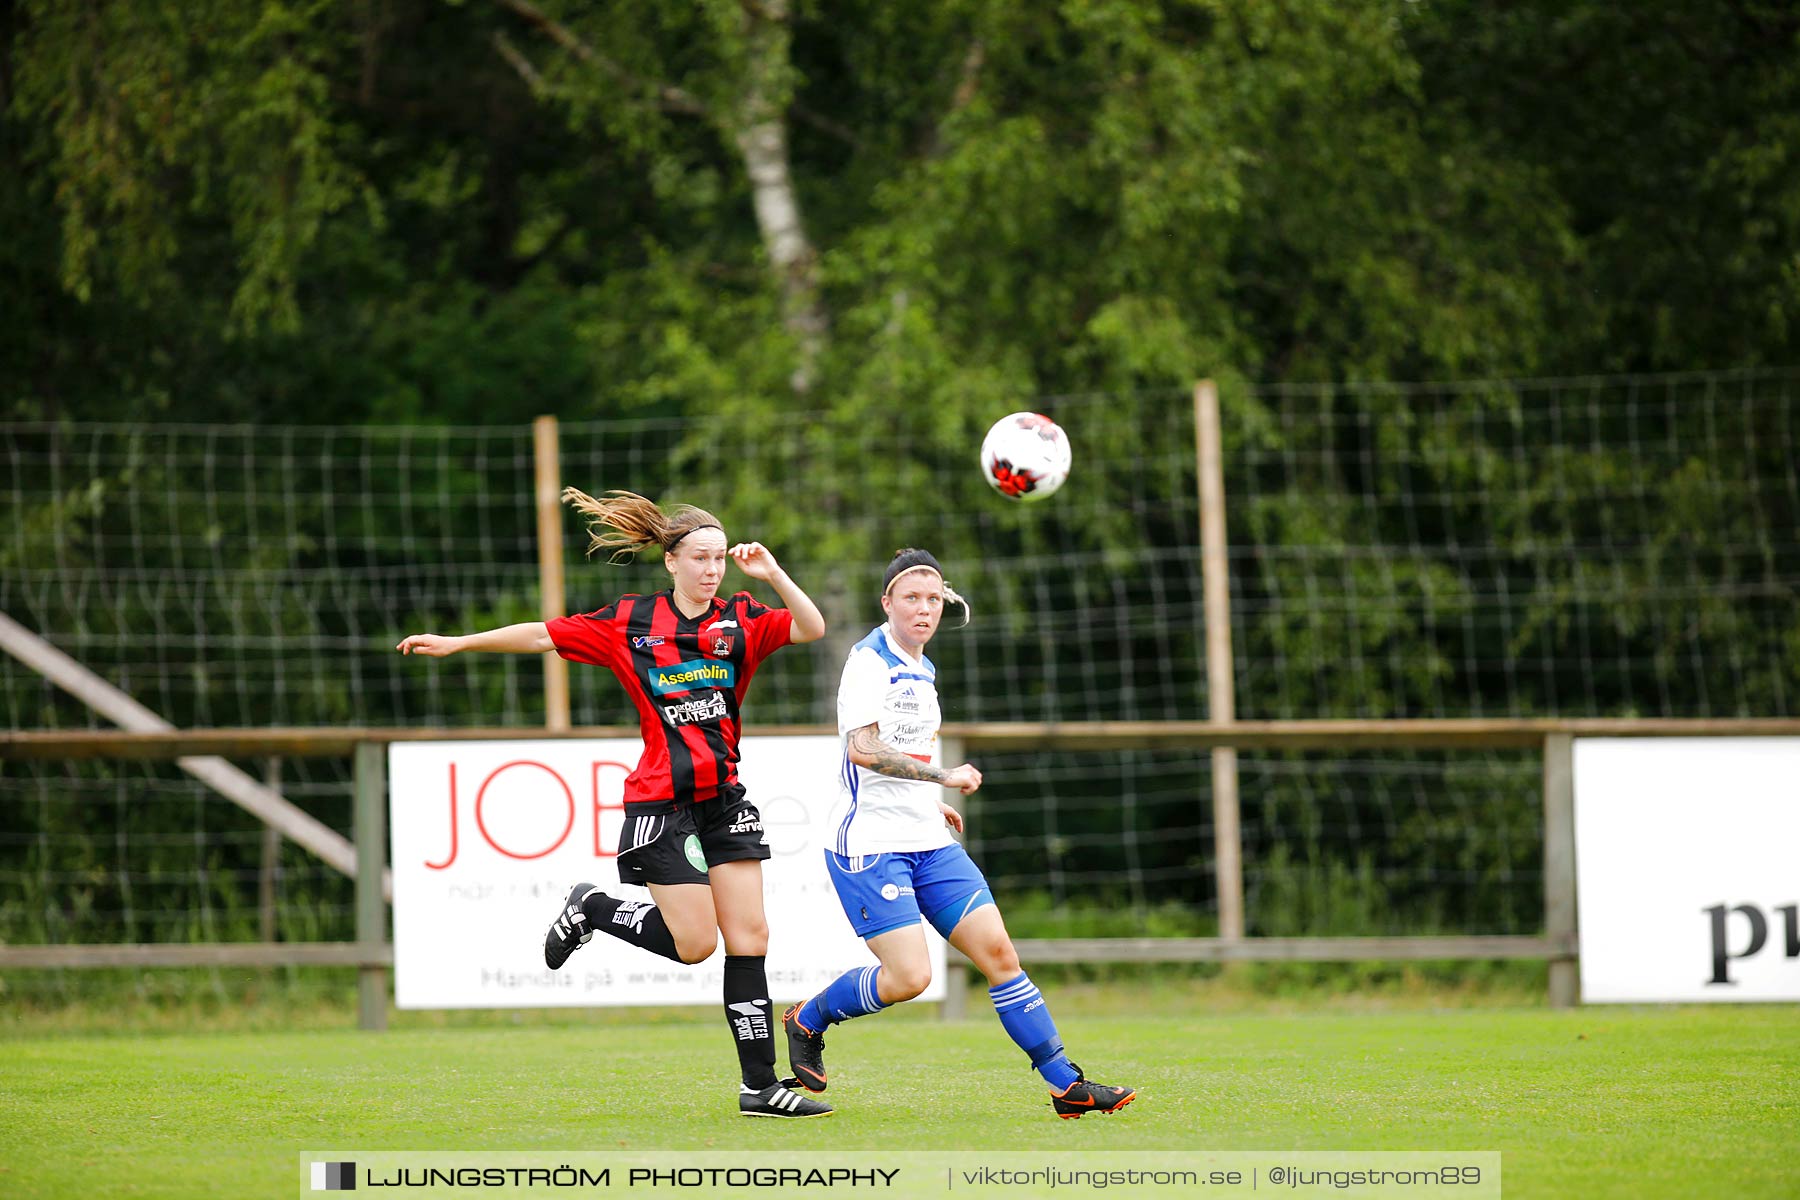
x=687, y=677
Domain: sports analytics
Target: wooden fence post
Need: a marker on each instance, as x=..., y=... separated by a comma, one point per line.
x=369, y=825
x=1220, y=690
x=1559, y=865
x=956, y=967
x=548, y=456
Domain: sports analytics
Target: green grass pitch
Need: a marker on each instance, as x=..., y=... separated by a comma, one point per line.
x=1626, y=1102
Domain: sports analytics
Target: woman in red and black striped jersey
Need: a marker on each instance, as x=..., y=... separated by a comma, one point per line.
x=685, y=657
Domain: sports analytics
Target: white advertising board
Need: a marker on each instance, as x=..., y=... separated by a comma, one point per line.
x=489, y=836
x=1688, y=868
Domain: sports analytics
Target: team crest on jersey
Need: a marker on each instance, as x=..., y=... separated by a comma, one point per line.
x=716, y=640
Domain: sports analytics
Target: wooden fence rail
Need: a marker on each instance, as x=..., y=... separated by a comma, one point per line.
x=372, y=954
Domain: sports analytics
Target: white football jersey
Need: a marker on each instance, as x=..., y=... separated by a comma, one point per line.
x=876, y=813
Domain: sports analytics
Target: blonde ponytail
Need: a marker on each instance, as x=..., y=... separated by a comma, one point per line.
x=625, y=522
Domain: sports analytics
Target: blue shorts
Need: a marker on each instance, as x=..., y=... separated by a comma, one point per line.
x=883, y=892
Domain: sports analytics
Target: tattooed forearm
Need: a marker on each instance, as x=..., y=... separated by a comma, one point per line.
x=901, y=766
x=867, y=748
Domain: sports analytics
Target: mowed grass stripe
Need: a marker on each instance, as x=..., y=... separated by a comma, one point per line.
x=1601, y=1102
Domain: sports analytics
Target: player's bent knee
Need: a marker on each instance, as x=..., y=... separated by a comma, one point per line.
x=906, y=983
x=1000, y=963
x=694, y=950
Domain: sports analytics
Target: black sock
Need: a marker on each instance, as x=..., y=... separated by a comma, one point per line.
x=634, y=921
x=747, y=1012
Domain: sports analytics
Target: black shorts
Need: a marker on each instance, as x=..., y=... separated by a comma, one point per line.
x=679, y=846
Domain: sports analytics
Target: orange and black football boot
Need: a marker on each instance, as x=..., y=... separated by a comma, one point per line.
x=806, y=1051
x=1081, y=1098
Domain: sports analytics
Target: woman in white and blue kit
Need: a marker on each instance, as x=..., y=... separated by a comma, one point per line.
x=892, y=858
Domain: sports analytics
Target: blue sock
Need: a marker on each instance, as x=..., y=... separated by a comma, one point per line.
x=852, y=994
x=1026, y=1017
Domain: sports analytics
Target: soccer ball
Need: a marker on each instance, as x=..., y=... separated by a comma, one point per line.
x=1025, y=456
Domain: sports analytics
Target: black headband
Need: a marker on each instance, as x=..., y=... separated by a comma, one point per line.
x=670, y=548
x=905, y=561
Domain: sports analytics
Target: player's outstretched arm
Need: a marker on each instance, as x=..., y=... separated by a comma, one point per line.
x=529, y=637
x=868, y=750
x=755, y=560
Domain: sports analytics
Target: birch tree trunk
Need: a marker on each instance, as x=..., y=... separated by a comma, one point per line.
x=758, y=127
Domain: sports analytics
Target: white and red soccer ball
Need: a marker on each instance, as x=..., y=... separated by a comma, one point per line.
x=1025, y=456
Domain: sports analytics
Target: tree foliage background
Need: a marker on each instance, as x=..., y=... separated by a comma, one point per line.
x=478, y=210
